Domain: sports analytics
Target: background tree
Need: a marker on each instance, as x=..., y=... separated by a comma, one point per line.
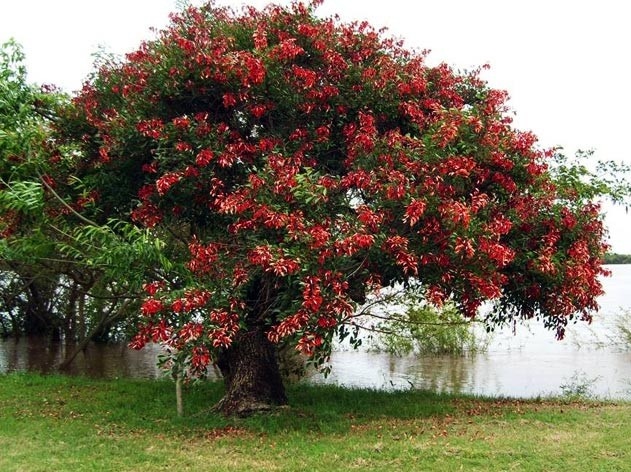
x=23, y=109
x=66, y=270
x=613, y=258
x=402, y=324
x=295, y=164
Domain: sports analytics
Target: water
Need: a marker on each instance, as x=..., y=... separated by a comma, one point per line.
x=98, y=360
x=528, y=363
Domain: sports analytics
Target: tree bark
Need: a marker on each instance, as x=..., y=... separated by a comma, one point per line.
x=251, y=375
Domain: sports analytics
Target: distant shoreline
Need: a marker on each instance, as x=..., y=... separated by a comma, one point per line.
x=613, y=258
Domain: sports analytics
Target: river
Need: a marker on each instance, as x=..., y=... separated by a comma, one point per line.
x=527, y=363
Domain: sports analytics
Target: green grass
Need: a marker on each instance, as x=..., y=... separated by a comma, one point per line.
x=74, y=424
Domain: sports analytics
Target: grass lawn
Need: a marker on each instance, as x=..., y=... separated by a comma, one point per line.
x=56, y=423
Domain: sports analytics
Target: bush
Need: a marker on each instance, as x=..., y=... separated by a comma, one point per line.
x=425, y=329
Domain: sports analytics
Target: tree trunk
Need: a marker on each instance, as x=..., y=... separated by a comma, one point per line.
x=38, y=320
x=179, y=402
x=251, y=375
x=83, y=344
x=70, y=320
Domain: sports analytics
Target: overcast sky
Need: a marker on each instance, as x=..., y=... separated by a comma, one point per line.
x=565, y=64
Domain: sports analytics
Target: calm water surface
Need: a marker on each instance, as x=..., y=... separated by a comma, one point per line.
x=527, y=363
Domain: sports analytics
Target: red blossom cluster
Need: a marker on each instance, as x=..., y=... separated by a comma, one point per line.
x=304, y=162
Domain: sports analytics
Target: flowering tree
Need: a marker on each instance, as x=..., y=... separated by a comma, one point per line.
x=296, y=164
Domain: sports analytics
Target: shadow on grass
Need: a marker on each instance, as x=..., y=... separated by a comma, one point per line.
x=367, y=404
x=150, y=404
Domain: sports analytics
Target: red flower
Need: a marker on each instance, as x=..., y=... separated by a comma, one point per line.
x=153, y=287
x=414, y=211
x=283, y=267
x=200, y=358
x=287, y=50
x=177, y=306
x=256, y=70
x=181, y=146
x=151, y=306
x=260, y=39
x=150, y=128
x=229, y=100
x=308, y=344
x=161, y=332
x=151, y=168
x=140, y=340
x=164, y=183
x=181, y=122
x=260, y=255
x=221, y=338
x=258, y=111
x=190, y=332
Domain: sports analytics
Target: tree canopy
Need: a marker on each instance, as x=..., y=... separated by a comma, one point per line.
x=293, y=164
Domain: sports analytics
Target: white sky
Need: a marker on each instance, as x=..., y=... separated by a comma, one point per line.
x=566, y=64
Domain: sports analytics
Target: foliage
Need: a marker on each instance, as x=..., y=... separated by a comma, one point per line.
x=294, y=164
x=24, y=110
x=623, y=331
x=65, y=267
x=580, y=179
x=578, y=386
